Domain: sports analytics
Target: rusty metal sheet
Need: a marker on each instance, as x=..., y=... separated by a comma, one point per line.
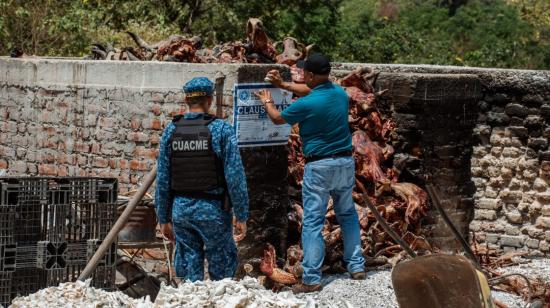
x=437, y=281
x=140, y=226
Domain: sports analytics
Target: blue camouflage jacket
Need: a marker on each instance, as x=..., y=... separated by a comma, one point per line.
x=224, y=144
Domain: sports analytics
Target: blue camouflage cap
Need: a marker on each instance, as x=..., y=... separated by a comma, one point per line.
x=198, y=86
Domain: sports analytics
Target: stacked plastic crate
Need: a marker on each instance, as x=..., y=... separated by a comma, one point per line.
x=50, y=228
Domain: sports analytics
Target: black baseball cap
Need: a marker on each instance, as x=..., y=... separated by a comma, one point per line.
x=316, y=63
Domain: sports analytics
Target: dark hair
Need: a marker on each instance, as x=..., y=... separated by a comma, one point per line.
x=197, y=100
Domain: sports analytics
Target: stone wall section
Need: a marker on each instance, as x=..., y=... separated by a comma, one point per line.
x=504, y=203
x=511, y=170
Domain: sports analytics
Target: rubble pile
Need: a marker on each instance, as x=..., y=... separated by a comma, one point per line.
x=228, y=293
x=247, y=292
x=78, y=294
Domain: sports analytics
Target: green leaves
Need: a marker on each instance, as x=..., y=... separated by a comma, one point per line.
x=499, y=33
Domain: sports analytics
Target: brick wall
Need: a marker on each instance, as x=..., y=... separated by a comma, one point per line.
x=76, y=118
x=87, y=118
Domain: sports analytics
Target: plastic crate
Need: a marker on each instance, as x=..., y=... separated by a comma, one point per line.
x=5, y=288
x=50, y=227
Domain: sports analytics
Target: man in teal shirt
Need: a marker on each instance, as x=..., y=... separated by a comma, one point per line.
x=322, y=115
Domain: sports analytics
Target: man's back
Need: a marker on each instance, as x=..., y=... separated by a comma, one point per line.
x=323, y=119
x=225, y=146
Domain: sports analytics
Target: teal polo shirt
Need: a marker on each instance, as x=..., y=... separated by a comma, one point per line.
x=322, y=116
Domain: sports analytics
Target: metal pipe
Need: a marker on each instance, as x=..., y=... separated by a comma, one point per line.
x=387, y=228
x=119, y=224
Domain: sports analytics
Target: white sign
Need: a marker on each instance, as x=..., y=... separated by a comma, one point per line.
x=250, y=119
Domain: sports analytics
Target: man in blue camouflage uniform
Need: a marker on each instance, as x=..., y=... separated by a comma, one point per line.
x=202, y=227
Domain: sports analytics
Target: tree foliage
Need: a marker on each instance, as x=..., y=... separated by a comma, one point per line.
x=488, y=33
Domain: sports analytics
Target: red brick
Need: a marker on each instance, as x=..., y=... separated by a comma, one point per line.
x=154, y=139
x=82, y=160
x=31, y=168
x=138, y=137
x=122, y=190
x=135, y=123
x=104, y=173
x=61, y=146
x=177, y=111
x=112, y=163
x=123, y=164
x=81, y=147
x=156, y=109
x=96, y=148
x=3, y=164
x=146, y=153
x=124, y=177
x=47, y=157
x=50, y=131
x=62, y=171
x=107, y=122
x=138, y=165
x=100, y=162
x=156, y=124
x=67, y=159
x=51, y=144
x=46, y=169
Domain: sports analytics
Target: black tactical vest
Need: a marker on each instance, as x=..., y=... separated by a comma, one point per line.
x=195, y=167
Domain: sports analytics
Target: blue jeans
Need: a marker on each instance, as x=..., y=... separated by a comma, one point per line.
x=334, y=177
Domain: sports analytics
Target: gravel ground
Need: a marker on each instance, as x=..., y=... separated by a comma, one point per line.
x=377, y=291
x=534, y=268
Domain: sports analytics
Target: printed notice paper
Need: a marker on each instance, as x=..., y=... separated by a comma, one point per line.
x=253, y=126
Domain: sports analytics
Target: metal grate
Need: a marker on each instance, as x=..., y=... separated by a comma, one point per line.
x=50, y=227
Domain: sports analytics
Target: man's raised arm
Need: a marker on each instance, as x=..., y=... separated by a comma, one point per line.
x=297, y=88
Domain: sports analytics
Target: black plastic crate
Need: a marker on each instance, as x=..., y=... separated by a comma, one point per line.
x=5, y=288
x=7, y=220
x=50, y=227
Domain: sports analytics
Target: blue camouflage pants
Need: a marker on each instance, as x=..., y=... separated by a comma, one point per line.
x=204, y=230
